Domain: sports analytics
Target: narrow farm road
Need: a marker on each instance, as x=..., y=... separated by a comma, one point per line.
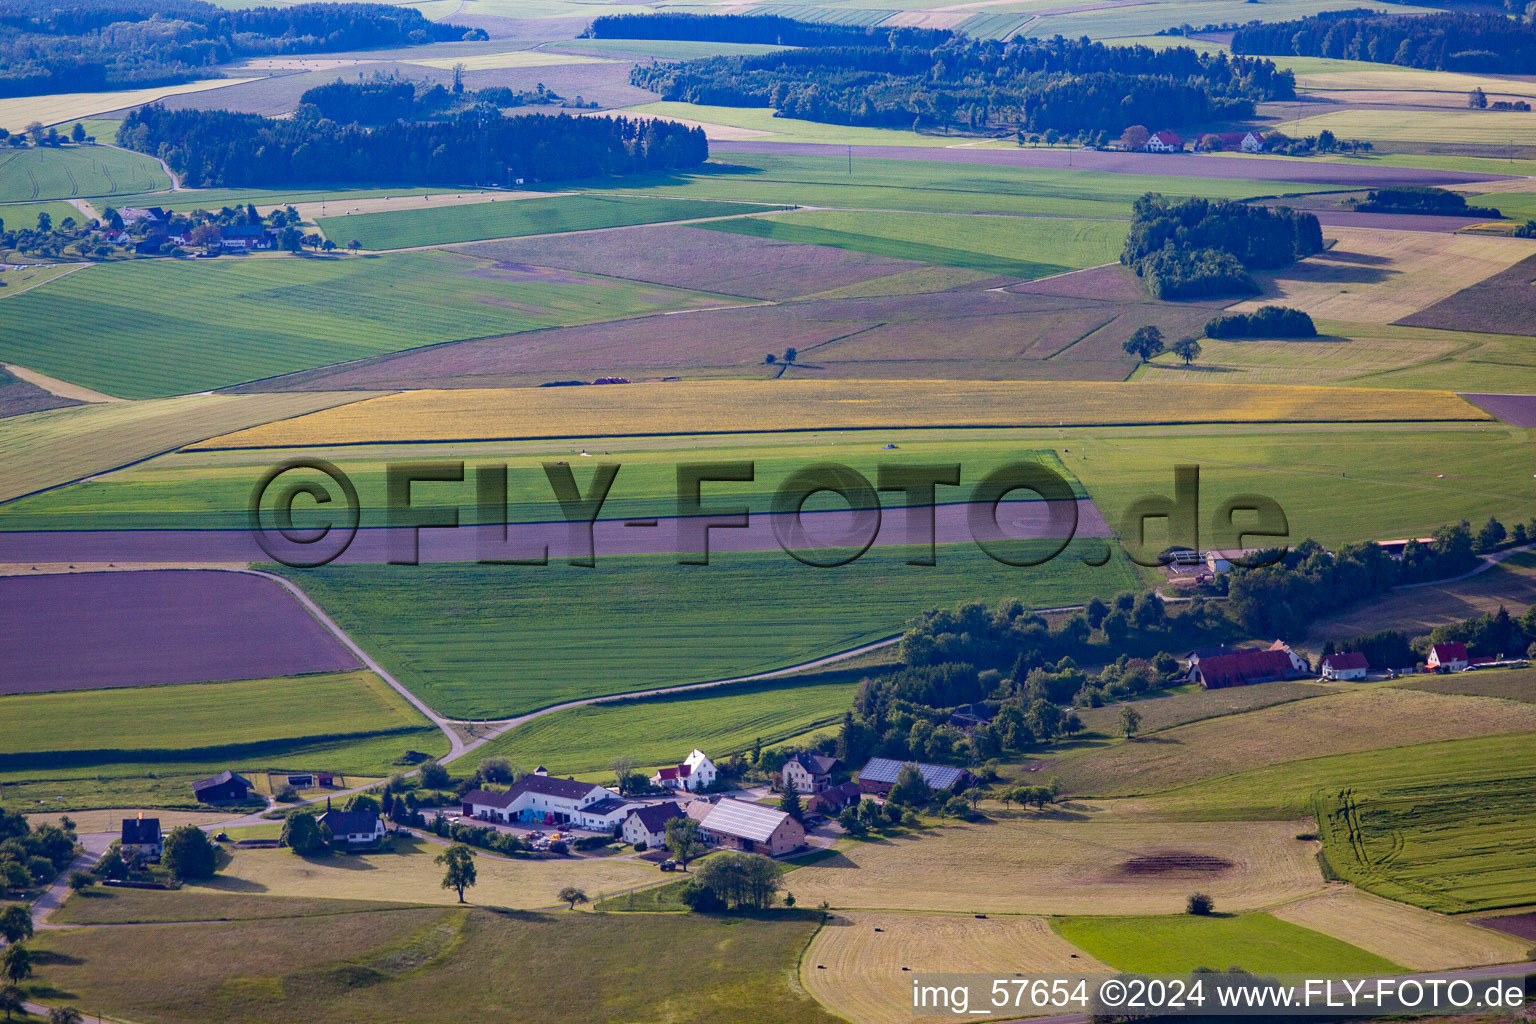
x=1488, y=562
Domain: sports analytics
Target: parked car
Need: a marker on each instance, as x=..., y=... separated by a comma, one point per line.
x=669, y=865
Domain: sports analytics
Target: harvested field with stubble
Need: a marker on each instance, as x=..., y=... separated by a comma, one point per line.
x=863, y=979
x=1018, y=863
x=1499, y=303
x=1384, y=276
x=79, y=631
x=1181, y=708
x=1342, y=723
x=1420, y=940
x=1511, y=684
x=699, y=407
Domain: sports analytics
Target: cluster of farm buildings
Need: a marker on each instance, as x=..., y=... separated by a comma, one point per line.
x=1217, y=668
x=156, y=228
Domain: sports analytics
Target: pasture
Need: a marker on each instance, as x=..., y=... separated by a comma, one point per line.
x=24, y=215
x=154, y=906
x=864, y=980
x=987, y=244
x=1516, y=684
x=163, y=327
x=1199, y=705
x=1417, y=939
x=517, y=217
x=488, y=641
x=698, y=407
x=1254, y=942
x=389, y=966
x=76, y=172
x=1071, y=861
x=56, y=108
x=1336, y=724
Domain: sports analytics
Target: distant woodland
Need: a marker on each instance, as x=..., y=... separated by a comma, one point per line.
x=122, y=44
x=219, y=148
x=758, y=28
x=388, y=98
x=1487, y=43
x=1196, y=247
x=1072, y=86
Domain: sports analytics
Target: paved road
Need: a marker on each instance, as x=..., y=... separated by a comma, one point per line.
x=1488, y=562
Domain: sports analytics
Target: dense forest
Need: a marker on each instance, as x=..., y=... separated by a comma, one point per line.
x=1486, y=43
x=1267, y=322
x=480, y=146
x=123, y=44
x=1066, y=85
x=758, y=28
x=389, y=98
x=1194, y=247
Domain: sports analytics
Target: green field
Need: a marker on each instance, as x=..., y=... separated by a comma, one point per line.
x=1491, y=128
x=18, y=216
x=473, y=222
x=989, y=244
x=250, y=718
x=660, y=49
x=163, y=327
x=662, y=731
x=1145, y=19
x=77, y=172
x=136, y=906
x=390, y=966
x=479, y=641
x=1253, y=942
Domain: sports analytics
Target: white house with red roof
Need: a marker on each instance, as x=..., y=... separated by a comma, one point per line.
x=1451, y=657
x=1350, y=665
x=1164, y=142
x=696, y=772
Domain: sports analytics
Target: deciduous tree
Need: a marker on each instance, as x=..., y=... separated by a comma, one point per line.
x=460, y=864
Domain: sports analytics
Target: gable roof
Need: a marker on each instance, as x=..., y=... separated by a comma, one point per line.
x=550, y=785
x=607, y=805
x=1167, y=138
x=1348, y=660
x=744, y=820
x=345, y=823
x=141, y=830
x=1454, y=651
x=816, y=764
x=488, y=798
x=1244, y=666
x=938, y=776
x=654, y=817
x=219, y=780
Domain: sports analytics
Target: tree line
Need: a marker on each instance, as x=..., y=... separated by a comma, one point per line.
x=122, y=44
x=1267, y=322
x=1020, y=86
x=771, y=29
x=479, y=146
x=1423, y=199
x=384, y=98
x=1445, y=41
x=1186, y=248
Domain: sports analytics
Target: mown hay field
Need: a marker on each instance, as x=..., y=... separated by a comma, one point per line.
x=1181, y=708
x=1378, y=275
x=552, y=215
x=59, y=445
x=1019, y=863
x=138, y=906
x=162, y=327
x=1517, y=684
x=1418, y=939
x=1511, y=584
x=1463, y=127
x=18, y=112
x=1253, y=942
x=75, y=172
x=857, y=972
x=694, y=407
x=1342, y=723
x=1400, y=79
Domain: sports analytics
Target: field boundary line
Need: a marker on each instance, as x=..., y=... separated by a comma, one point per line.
x=38, y=284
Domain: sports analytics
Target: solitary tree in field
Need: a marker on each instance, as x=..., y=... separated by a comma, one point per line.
x=460, y=862
x=77, y=133
x=44, y=221
x=16, y=923
x=572, y=895
x=1200, y=904
x=16, y=963
x=11, y=1001
x=770, y=359
x=1477, y=99
x=354, y=245
x=1145, y=343
x=790, y=355
x=683, y=840
x=1130, y=721
x=1187, y=349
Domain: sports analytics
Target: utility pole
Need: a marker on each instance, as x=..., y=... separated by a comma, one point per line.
x=850, y=159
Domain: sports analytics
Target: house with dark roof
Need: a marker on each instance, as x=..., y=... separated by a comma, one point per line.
x=879, y=775
x=834, y=798
x=809, y=773
x=550, y=800
x=648, y=824
x=1451, y=657
x=141, y=836
x=1350, y=665
x=353, y=828
x=1244, y=668
x=222, y=788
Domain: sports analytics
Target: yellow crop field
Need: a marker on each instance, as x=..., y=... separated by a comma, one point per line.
x=855, y=970
x=1339, y=724
x=54, y=447
x=409, y=874
x=18, y=112
x=1468, y=127
x=1378, y=276
x=1420, y=940
x=736, y=406
x=1017, y=863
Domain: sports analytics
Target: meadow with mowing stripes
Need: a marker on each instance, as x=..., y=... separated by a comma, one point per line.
x=77, y=172
x=489, y=641
x=164, y=327
x=474, y=222
x=1254, y=942
x=1491, y=128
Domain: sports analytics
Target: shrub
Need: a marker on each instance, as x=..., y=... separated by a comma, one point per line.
x=1199, y=904
x=1268, y=322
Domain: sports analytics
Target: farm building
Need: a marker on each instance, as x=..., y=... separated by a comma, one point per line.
x=696, y=772
x=1297, y=661
x=313, y=780
x=1243, y=668
x=221, y=788
x=353, y=828
x=135, y=215
x=1395, y=548
x=1451, y=657
x=545, y=799
x=753, y=828
x=246, y=237
x=1164, y=142
x=834, y=798
x=141, y=835
x=1352, y=665
x=879, y=775
x=1246, y=142
x=809, y=773
x=648, y=824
